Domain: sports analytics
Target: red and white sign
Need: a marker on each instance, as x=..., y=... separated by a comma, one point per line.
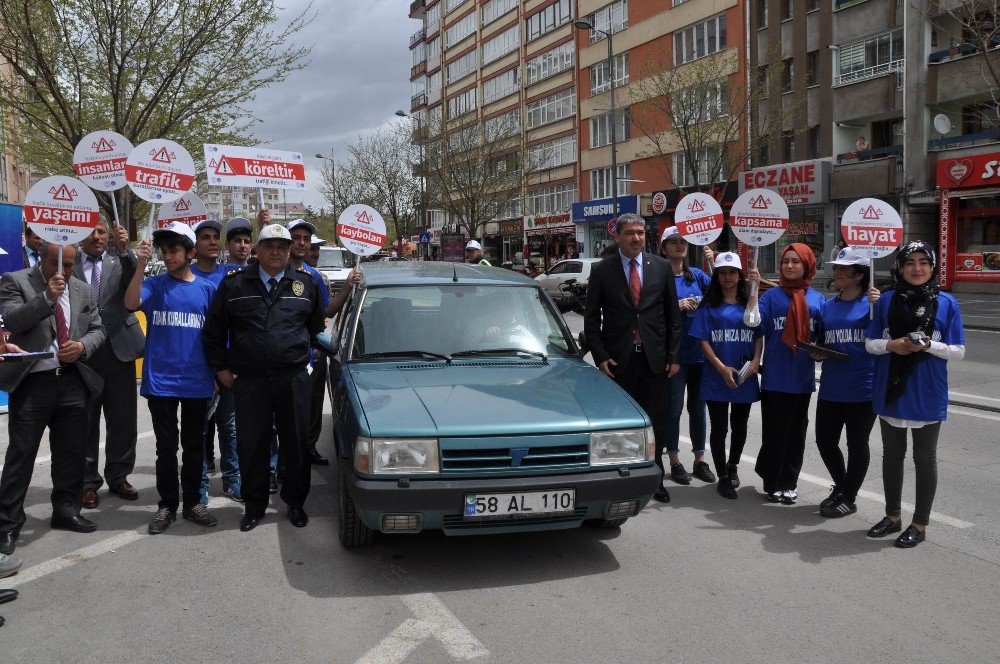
x=871, y=226
x=159, y=171
x=659, y=202
x=61, y=209
x=759, y=217
x=361, y=230
x=188, y=209
x=99, y=160
x=613, y=227
x=981, y=170
x=802, y=182
x=699, y=218
x=233, y=166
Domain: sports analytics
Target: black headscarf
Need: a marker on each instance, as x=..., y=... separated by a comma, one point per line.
x=912, y=309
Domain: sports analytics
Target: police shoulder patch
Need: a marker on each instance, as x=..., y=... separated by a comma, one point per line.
x=236, y=271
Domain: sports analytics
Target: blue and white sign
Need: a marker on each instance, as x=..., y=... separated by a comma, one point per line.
x=424, y=238
x=602, y=209
x=11, y=255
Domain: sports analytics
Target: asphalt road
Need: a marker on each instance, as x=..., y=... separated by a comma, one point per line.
x=701, y=579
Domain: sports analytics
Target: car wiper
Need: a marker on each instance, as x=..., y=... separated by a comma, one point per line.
x=406, y=353
x=500, y=351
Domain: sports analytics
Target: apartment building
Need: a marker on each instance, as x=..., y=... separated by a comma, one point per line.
x=15, y=175
x=227, y=202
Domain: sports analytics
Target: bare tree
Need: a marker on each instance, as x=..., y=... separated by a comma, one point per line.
x=385, y=160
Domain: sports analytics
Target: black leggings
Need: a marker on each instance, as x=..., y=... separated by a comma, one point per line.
x=785, y=421
x=858, y=418
x=924, y=460
x=718, y=414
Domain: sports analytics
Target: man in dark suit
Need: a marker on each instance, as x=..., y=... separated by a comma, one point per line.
x=47, y=308
x=108, y=277
x=633, y=325
x=32, y=247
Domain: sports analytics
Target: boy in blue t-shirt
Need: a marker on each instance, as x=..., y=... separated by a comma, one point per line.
x=175, y=305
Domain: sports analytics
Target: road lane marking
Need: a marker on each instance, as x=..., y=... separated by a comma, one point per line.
x=432, y=619
x=973, y=396
x=70, y=559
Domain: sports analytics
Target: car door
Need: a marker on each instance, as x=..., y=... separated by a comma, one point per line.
x=551, y=279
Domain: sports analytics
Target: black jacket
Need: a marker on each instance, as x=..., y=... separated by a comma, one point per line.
x=249, y=333
x=611, y=318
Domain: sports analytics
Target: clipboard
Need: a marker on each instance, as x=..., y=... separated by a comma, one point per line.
x=823, y=350
x=26, y=357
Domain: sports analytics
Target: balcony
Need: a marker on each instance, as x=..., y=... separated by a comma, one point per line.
x=417, y=37
x=867, y=173
x=865, y=155
x=858, y=75
x=417, y=8
x=964, y=141
x=959, y=77
x=418, y=100
x=418, y=69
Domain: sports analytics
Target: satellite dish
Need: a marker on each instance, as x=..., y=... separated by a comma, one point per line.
x=942, y=123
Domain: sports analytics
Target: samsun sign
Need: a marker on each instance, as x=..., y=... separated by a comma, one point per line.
x=99, y=160
x=188, y=209
x=61, y=210
x=233, y=166
x=759, y=217
x=159, y=171
x=873, y=227
x=361, y=230
x=699, y=218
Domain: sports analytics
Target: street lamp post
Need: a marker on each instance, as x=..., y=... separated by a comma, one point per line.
x=333, y=182
x=584, y=24
x=422, y=208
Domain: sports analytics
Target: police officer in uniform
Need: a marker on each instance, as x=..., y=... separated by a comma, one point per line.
x=269, y=313
x=474, y=254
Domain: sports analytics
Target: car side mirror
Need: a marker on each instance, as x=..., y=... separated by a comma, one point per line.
x=581, y=341
x=327, y=344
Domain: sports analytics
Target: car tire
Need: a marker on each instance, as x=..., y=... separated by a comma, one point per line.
x=352, y=531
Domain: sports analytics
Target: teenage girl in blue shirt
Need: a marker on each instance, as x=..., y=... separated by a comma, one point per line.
x=915, y=331
x=845, y=389
x=691, y=284
x=727, y=344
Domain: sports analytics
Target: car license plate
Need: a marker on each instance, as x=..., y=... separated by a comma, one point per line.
x=535, y=503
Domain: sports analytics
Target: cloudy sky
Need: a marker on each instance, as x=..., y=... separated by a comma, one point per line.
x=357, y=77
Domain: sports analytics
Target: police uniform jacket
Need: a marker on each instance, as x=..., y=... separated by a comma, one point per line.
x=252, y=332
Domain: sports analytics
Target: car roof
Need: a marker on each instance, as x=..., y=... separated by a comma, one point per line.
x=410, y=273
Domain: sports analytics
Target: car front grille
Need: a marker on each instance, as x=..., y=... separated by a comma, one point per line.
x=458, y=522
x=535, y=458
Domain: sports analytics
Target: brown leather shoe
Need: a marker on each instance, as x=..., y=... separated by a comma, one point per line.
x=125, y=491
x=90, y=499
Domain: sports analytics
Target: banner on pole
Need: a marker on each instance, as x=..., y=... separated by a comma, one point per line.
x=99, y=160
x=759, y=217
x=699, y=218
x=159, y=171
x=188, y=209
x=361, y=230
x=61, y=209
x=261, y=167
x=872, y=227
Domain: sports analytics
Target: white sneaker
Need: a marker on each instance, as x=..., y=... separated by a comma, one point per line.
x=789, y=497
x=9, y=565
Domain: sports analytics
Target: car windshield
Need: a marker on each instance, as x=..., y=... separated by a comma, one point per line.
x=514, y=321
x=330, y=259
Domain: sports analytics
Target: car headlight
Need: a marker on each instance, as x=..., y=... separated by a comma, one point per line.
x=400, y=456
x=611, y=448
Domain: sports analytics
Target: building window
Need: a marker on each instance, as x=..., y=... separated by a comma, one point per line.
x=812, y=5
x=502, y=85
x=462, y=103
x=433, y=19
x=786, y=75
x=699, y=40
x=554, y=107
x=434, y=48
x=494, y=9
x=552, y=199
x=501, y=45
x=461, y=67
x=814, y=146
x=557, y=152
x=788, y=145
x=812, y=68
x=549, y=63
x=786, y=9
x=763, y=154
x=698, y=103
x=547, y=20
x=460, y=30
x=449, y=5
x=709, y=164
x=503, y=125
x=613, y=18
x=980, y=117
x=600, y=74
x=600, y=129
x=434, y=83
x=761, y=13
x=871, y=57
x=601, y=185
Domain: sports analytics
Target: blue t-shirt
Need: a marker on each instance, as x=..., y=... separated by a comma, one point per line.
x=785, y=371
x=842, y=328
x=174, y=362
x=732, y=342
x=925, y=396
x=324, y=292
x=691, y=347
x=215, y=276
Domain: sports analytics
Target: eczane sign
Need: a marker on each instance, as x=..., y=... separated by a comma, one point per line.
x=798, y=183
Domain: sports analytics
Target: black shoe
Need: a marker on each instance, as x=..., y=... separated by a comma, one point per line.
x=703, y=472
x=248, y=523
x=200, y=515
x=838, y=508
x=8, y=542
x=788, y=497
x=774, y=496
x=884, y=527
x=734, y=474
x=164, y=517
x=273, y=488
x=76, y=523
x=298, y=517
x=317, y=459
x=211, y=464
x=726, y=488
x=661, y=495
x=679, y=474
x=835, y=496
x=910, y=537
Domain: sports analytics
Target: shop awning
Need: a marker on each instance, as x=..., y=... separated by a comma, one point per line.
x=556, y=230
x=981, y=192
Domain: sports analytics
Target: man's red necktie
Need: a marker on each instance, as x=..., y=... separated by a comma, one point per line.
x=635, y=290
x=62, y=331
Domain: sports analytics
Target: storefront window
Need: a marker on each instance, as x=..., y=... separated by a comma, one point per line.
x=978, y=235
x=805, y=225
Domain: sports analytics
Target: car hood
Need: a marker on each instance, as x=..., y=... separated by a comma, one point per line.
x=488, y=398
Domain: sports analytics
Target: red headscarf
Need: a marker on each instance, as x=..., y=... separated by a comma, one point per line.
x=797, y=320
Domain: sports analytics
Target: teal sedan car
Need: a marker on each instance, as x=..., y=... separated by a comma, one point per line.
x=461, y=403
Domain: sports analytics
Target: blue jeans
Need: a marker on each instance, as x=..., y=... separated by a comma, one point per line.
x=229, y=463
x=690, y=377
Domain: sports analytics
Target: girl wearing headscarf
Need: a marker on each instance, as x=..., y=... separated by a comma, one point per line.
x=786, y=315
x=916, y=329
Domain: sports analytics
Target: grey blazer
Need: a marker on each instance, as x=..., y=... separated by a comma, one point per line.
x=31, y=321
x=122, y=327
